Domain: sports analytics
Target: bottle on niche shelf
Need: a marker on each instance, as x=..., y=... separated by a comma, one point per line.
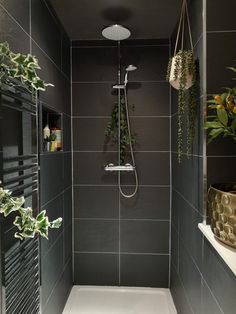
x=57, y=132
x=46, y=132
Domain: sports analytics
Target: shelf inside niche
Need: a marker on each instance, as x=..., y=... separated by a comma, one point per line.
x=54, y=120
x=227, y=253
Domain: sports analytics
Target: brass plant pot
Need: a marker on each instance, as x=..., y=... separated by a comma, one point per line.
x=222, y=212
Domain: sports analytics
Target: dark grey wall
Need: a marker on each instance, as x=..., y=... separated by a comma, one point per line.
x=119, y=241
x=200, y=281
x=30, y=26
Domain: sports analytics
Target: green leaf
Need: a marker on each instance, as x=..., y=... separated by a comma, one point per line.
x=233, y=125
x=222, y=116
x=56, y=223
x=41, y=215
x=212, y=101
x=231, y=68
x=214, y=133
x=212, y=125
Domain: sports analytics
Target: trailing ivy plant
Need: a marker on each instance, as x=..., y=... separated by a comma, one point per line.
x=112, y=130
x=21, y=67
x=221, y=120
x=27, y=225
x=184, y=66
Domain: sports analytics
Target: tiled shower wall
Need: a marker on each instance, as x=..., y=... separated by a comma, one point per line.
x=119, y=241
x=200, y=280
x=30, y=26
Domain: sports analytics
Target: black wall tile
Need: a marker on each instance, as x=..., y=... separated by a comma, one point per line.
x=144, y=270
x=20, y=12
x=214, y=10
x=67, y=244
x=219, y=278
x=94, y=64
x=152, y=134
x=144, y=236
x=51, y=175
x=217, y=61
x=151, y=62
x=209, y=304
x=149, y=98
x=96, y=269
x=66, y=133
x=67, y=205
x=148, y=203
x=67, y=170
x=43, y=26
x=65, y=55
x=90, y=135
x=89, y=168
x=96, y=235
x=93, y=99
x=96, y=202
x=218, y=169
x=13, y=34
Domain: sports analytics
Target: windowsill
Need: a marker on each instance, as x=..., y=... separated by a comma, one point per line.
x=228, y=254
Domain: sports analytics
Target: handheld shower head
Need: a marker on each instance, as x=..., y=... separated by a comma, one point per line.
x=129, y=68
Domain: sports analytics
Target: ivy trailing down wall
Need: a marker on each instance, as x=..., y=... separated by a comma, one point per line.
x=17, y=69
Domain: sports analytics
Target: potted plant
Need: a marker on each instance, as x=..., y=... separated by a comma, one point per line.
x=181, y=74
x=221, y=123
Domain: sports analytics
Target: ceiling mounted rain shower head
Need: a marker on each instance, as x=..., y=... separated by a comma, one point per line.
x=116, y=32
x=130, y=68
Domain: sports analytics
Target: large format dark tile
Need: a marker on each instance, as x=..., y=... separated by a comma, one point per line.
x=67, y=244
x=152, y=134
x=51, y=269
x=148, y=203
x=144, y=236
x=151, y=62
x=54, y=210
x=149, y=98
x=18, y=40
x=89, y=135
x=209, y=303
x=214, y=10
x=67, y=172
x=144, y=270
x=93, y=99
x=96, y=269
x=219, y=278
x=20, y=12
x=66, y=133
x=65, y=57
x=94, y=64
x=45, y=30
x=51, y=176
x=191, y=279
x=58, y=96
x=220, y=169
x=96, y=202
x=174, y=247
x=178, y=293
x=196, y=19
x=60, y=293
x=96, y=235
x=67, y=207
x=217, y=61
x=188, y=179
x=89, y=168
x=153, y=169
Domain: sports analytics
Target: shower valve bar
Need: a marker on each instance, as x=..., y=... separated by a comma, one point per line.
x=126, y=167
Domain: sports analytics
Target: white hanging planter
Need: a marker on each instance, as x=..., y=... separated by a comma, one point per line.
x=175, y=79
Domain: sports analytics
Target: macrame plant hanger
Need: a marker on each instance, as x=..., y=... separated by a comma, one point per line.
x=174, y=77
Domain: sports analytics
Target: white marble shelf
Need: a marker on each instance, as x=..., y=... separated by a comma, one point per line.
x=228, y=254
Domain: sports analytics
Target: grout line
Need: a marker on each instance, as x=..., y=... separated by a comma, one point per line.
x=223, y=156
x=55, y=197
x=111, y=46
x=170, y=192
x=113, y=82
x=108, y=117
x=187, y=201
x=191, y=155
x=72, y=166
x=30, y=24
x=128, y=185
x=121, y=219
x=123, y=253
x=216, y=32
x=115, y=151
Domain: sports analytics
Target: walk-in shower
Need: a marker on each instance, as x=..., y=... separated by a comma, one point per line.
x=118, y=32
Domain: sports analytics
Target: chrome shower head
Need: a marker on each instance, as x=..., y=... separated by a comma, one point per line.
x=116, y=32
x=130, y=68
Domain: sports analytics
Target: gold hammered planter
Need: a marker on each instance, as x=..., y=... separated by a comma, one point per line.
x=222, y=212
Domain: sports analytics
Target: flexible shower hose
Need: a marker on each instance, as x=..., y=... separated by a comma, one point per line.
x=131, y=148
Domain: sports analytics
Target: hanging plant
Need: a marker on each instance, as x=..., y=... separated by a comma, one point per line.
x=21, y=67
x=112, y=130
x=27, y=225
x=222, y=118
x=181, y=74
